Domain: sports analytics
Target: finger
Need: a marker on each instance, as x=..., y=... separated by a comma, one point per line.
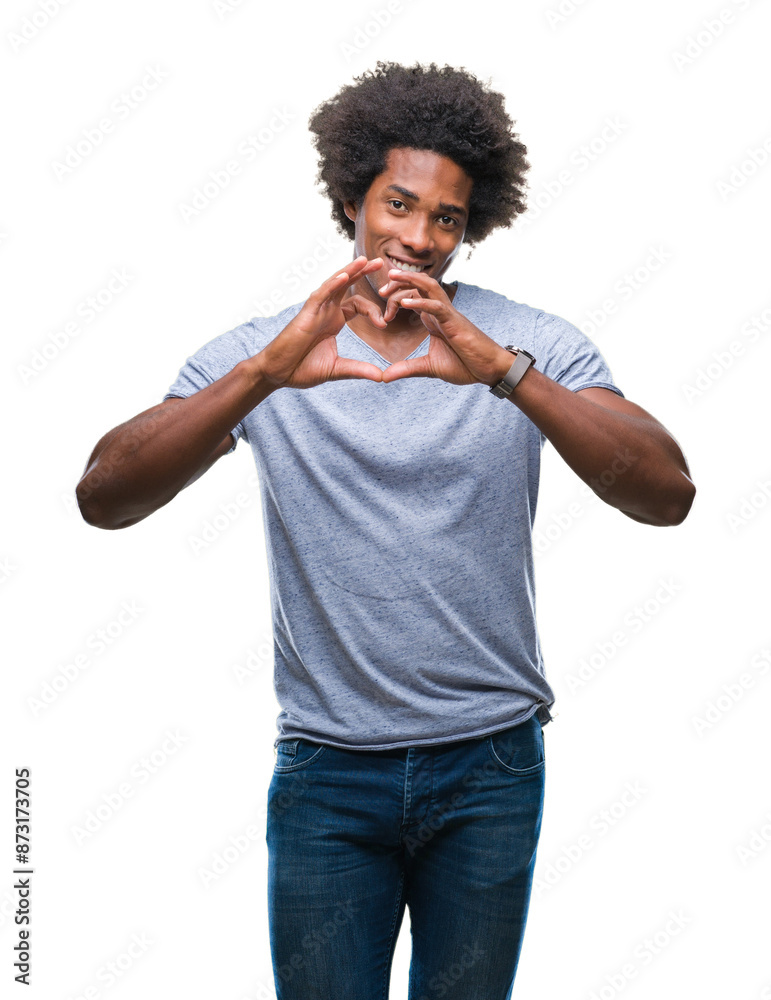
x=348, y=368
x=340, y=280
x=394, y=300
x=354, y=274
x=364, y=266
x=428, y=285
x=357, y=304
x=412, y=301
x=397, y=288
x=356, y=265
x=408, y=368
x=433, y=307
x=361, y=266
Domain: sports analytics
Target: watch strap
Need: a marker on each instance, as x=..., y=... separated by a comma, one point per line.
x=508, y=383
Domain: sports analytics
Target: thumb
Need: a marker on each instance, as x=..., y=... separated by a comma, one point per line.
x=408, y=368
x=348, y=368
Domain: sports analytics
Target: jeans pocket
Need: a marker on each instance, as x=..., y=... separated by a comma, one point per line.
x=294, y=753
x=519, y=749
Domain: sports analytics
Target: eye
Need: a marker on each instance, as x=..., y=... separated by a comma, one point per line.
x=449, y=219
x=395, y=201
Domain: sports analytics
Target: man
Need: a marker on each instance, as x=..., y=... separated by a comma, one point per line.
x=398, y=497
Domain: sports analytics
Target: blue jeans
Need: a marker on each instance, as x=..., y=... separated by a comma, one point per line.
x=354, y=836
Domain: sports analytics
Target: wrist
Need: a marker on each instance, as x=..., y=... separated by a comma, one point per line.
x=505, y=360
x=253, y=371
x=518, y=368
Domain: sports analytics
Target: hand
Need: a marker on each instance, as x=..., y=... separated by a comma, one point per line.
x=305, y=354
x=458, y=351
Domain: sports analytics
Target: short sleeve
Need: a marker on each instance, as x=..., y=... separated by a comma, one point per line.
x=211, y=362
x=565, y=354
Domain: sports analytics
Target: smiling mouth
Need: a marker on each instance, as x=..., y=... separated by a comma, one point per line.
x=403, y=266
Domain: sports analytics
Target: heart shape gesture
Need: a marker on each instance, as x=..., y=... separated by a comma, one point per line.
x=305, y=354
x=458, y=351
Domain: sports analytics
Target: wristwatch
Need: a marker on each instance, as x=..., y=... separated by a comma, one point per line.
x=522, y=362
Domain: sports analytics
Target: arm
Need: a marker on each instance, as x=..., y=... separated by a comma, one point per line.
x=616, y=447
x=142, y=464
x=622, y=452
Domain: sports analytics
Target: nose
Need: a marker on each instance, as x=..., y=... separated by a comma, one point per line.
x=416, y=235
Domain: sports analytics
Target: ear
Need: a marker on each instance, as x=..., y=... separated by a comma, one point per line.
x=349, y=208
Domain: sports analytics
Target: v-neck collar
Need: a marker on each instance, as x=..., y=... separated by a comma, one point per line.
x=418, y=349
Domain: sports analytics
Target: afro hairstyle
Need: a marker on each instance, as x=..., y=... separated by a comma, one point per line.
x=445, y=110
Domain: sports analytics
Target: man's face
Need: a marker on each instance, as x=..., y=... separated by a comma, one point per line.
x=415, y=212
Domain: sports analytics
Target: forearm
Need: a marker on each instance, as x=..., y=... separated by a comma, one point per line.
x=631, y=462
x=142, y=464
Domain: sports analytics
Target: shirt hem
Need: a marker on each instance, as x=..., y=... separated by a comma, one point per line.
x=595, y=383
x=541, y=708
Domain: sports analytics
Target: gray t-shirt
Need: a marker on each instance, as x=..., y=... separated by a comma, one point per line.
x=398, y=523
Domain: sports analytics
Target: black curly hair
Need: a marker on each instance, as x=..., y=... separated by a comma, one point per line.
x=445, y=110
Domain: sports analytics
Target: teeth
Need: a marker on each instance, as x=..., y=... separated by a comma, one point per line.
x=406, y=267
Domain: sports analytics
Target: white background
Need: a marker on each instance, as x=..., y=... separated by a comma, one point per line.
x=689, y=96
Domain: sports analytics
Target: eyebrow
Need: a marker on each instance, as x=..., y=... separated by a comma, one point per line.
x=443, y=205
